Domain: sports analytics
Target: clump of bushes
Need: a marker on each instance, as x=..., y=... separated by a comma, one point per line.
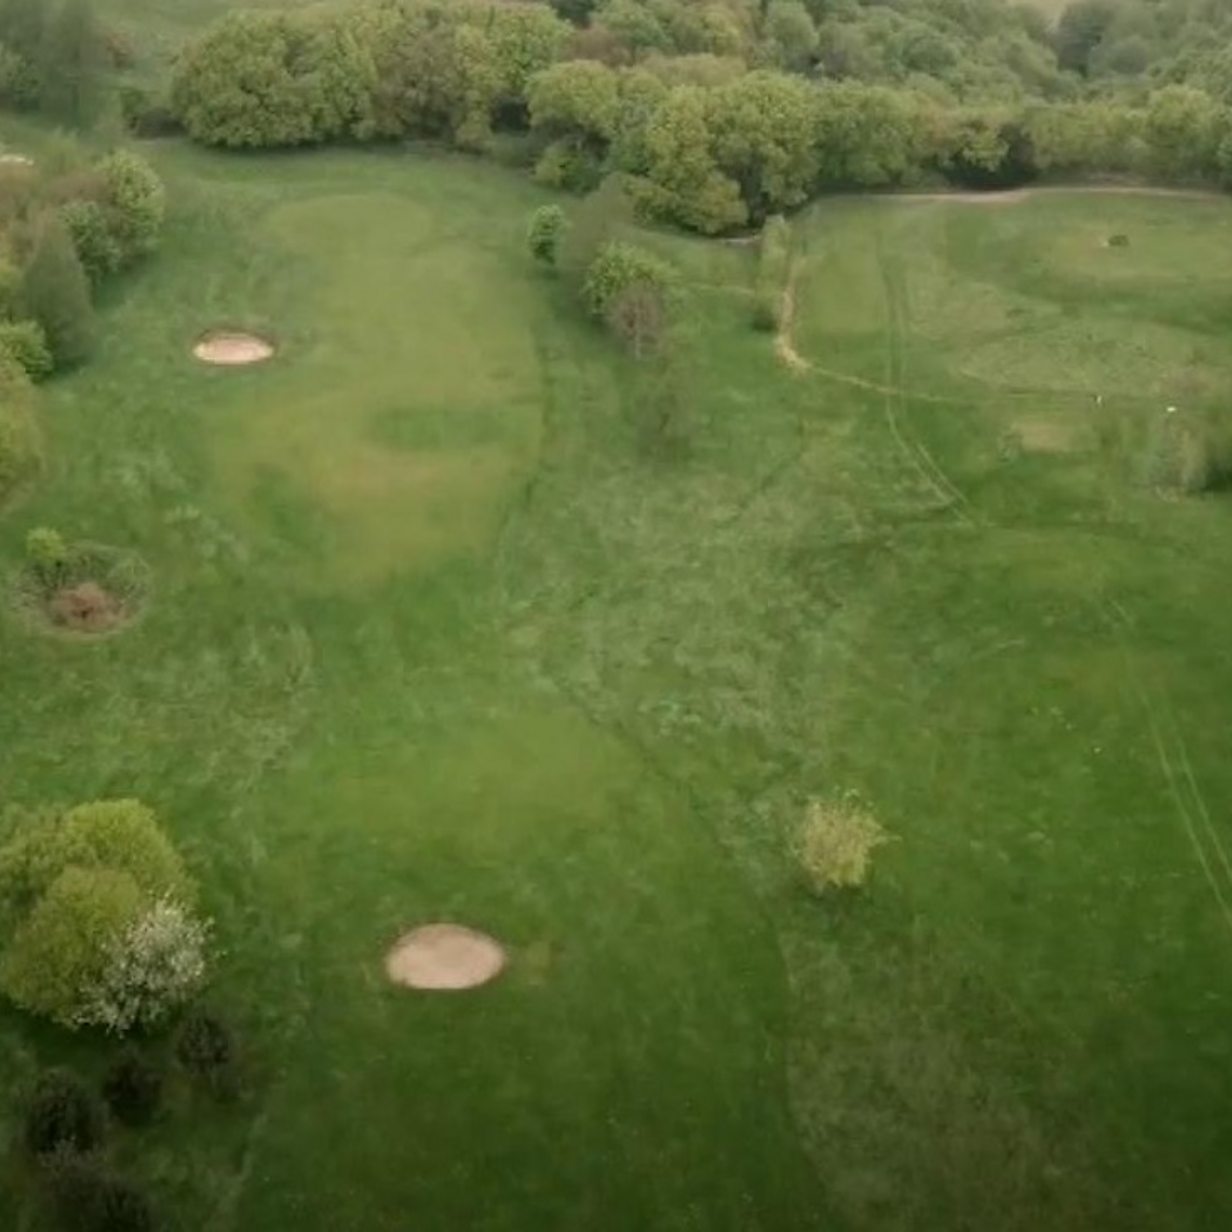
x=618, y=268
x=62, y=1116
x=85, y=1197
x=773, y=267
x=835, y=844
x=544, y=233
x=97, y=926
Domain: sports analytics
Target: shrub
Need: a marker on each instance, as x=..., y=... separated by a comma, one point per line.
x=84, y=1198
x=773, y=265
x=62, y=1116
x=26, y=345
x=56, y=293
x=156, y=965
x=47, y=556
x=96, y=248
x=618, y=267
x=835, y=845
x=638, y=315
x=96, y=930
x=544, y=233
x=132, y=1088
x=206, y=1048
x=135, y=202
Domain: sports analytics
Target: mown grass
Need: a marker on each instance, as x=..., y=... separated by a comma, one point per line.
x=431, y=636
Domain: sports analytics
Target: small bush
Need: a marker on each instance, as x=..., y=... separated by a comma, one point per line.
x=47, y=555
x=26, y=345
x=545, y=232
x=62, y=1116
x=619, y=267
x=19, y=441
x=133, y=1088
x=97, y=249
x=205, y=1046
x=835, y=845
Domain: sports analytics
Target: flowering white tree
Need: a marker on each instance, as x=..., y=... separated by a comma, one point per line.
x=155, y=965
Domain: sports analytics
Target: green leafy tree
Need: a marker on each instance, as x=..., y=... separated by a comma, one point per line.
x=19, y=445
x=71, y=66
x=791, y=35
x=56, y=294
x=25, y=344
x=545, y=232
x=95, y=245
x=274, y=79
x=683, y=181
x=1079, y=31
x=619, y=267
x=764, y=135
x=62, y=946
x=135, y=203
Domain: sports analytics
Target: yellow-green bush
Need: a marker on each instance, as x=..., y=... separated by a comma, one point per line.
x=835, y=844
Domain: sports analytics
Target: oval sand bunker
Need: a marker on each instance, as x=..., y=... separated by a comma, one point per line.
x=231, y=348
x=444, y=957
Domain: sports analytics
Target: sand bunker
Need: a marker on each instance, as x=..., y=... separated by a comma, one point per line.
x=231, y=348
x=444, y=957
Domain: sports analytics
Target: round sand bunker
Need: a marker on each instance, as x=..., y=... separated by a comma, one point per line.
x=444, y=957
x=231, y=348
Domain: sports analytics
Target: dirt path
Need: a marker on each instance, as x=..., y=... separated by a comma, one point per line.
x=785, y=335
x=1011, y=196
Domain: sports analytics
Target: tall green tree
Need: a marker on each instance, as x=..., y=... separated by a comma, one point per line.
x=72, y=62
x=56, y=293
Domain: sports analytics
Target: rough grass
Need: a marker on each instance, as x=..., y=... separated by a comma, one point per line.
x=434, y=640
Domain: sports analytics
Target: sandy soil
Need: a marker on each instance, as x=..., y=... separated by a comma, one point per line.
x=231, y=348
x=444, y=957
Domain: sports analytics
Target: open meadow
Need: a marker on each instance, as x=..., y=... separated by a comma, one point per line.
x=431, y=635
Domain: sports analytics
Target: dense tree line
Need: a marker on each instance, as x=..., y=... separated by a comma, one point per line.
x=722, y=112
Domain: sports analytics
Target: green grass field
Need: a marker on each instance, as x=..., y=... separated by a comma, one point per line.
x=431, y=637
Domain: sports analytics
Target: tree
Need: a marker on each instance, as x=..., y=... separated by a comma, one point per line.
x=683, y=181
x=133, y=1087
x=1079, y=31
x=95, y=927
x=62, y=947
x=72, y=61
x=791, y=35
x=205, y=1046
x=764, y=127
x=25, y=344
x=62, y=1116
x=616, y=269
x=134, y=200
x=155, y=965
x=638, y=315
x=544, y=233
x=56, y=294
x=275, y=79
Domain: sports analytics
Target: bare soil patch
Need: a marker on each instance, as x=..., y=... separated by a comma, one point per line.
x=1046, y=435
x=98, y=591
x=85, y=608
x=233, y=348
x=444, y=958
